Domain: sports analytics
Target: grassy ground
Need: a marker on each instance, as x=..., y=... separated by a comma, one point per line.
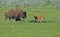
x=25, y=28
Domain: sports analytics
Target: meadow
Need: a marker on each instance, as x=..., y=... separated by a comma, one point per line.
x=26, y=28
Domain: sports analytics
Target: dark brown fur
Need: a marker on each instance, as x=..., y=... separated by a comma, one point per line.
x=13, y=14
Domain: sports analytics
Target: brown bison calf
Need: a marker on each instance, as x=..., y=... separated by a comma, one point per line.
x=38, y=18
x=15, y=14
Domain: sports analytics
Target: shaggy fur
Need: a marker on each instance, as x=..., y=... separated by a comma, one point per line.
x=14, y=14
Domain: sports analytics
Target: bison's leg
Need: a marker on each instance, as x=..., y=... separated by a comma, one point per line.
x=35, y=20
x=40, y=20
x=17, y=19
x=9, y=18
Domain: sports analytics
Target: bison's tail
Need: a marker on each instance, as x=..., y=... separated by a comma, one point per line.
x=5, y=17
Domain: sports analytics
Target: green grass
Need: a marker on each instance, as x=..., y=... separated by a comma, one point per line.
x=24, y=28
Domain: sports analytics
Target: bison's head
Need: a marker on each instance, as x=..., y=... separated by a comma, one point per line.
x=23, y=14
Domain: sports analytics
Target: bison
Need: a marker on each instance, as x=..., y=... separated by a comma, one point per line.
x=39, y=18
x=16, y=14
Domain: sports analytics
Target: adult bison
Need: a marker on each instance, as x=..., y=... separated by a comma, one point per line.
x=16, y=14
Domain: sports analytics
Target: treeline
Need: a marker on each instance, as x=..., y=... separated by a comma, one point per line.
x=29, y=3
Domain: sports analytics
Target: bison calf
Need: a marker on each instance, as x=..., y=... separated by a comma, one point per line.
x=38, y=18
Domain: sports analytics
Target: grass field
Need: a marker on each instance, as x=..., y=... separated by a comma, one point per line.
x=25, y=28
